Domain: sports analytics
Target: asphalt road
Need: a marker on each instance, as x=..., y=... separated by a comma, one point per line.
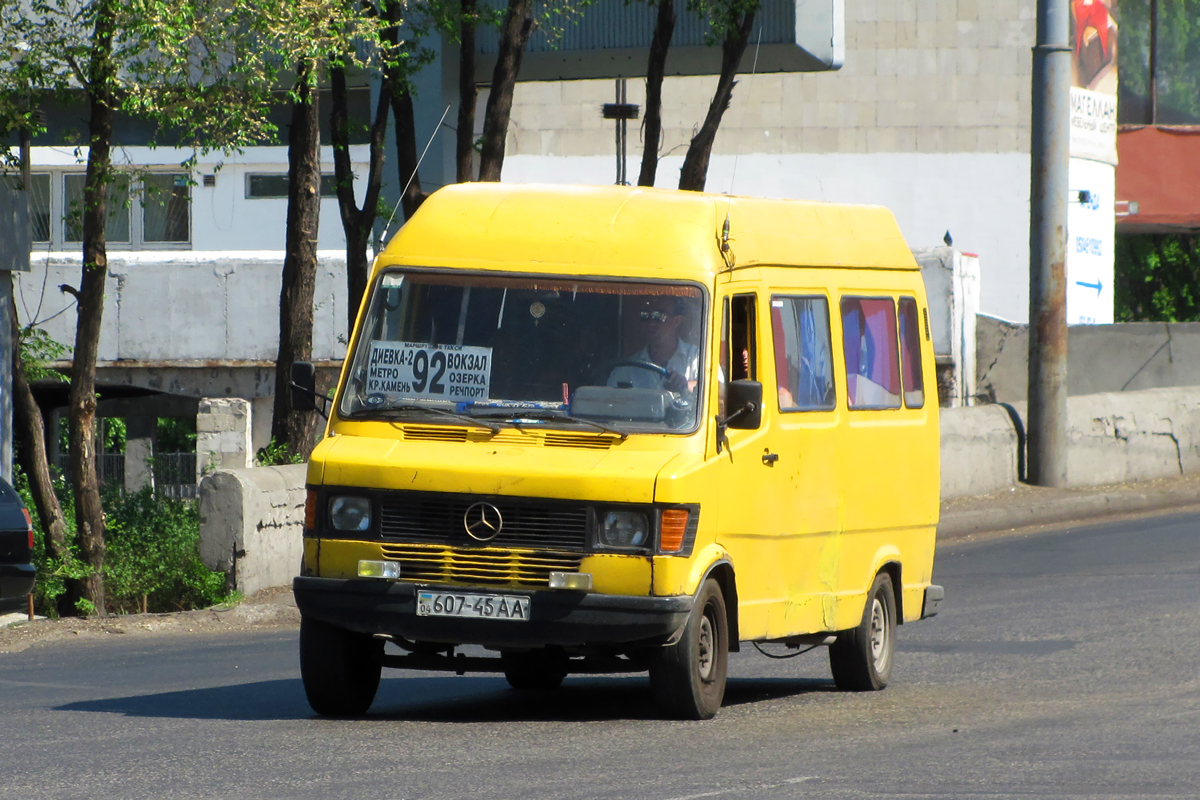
x=1064, y=664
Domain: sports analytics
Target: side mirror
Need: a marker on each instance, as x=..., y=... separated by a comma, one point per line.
x=304, y=386
x=744, y=398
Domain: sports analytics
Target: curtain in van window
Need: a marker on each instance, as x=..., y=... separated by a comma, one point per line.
x=803, y=353
x=910, y=349
x=869, y=345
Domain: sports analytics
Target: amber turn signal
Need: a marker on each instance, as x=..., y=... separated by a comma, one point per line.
x=310, y=510
x=672, y=526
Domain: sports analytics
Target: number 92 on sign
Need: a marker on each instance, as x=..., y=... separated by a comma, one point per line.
x=478, y=606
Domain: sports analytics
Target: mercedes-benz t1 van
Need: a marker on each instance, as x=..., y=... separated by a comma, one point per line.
x=618, y=429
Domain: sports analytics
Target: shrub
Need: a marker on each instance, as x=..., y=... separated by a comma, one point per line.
x=152, y=555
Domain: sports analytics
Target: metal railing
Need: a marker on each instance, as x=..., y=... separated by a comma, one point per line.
x=174, y=473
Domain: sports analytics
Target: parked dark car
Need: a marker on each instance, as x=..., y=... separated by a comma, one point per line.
x=16, y=551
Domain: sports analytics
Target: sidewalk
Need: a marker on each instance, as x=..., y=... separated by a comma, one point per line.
x=1024, y=506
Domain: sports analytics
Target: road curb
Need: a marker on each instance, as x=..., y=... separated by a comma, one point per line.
x=1043, y=511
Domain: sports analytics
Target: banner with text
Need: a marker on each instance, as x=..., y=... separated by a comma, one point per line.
x=1093, y=81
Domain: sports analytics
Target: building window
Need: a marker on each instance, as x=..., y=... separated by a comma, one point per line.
x=116, y=228
x=166, y=203
x=1158, y=61
x=149, y=211
x=272, y=186
x=39, y=198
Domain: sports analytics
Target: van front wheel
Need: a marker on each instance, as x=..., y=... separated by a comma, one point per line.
x=861, y=658
x=339, y=668
x=688, y=677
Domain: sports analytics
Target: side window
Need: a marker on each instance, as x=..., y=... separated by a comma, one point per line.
x=910, y=354
x=803, y=353
x=869, y=344
x=743, y=350
x=738, y=347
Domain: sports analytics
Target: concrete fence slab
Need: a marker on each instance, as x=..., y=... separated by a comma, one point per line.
x=252, y=525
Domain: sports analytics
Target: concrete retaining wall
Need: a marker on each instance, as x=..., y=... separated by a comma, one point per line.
x=1127, y=357
x=1131, y=436
x=979, y=450
x=251, y=525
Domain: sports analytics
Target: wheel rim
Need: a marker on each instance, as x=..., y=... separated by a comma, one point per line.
x=879, y=635
x=705, y=649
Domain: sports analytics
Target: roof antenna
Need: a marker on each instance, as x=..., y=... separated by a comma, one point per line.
x=726, y=251
x=753, y=71
x=395, y=208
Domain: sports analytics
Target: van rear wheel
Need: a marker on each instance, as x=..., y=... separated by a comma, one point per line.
x=688, y=677
x=861, y=658
x=339, y=668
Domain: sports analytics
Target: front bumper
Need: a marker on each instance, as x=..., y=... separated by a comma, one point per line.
x=934, y=595
x=16, y=582
x=555, y=617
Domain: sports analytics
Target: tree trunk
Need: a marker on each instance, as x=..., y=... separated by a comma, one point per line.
x=356, y=222
x=30, y=428
x=468, y=94
x=514, y=36
x=695, y=165
x=664, y=29
x=89, y=515
x=290, y=428
x=406, y=149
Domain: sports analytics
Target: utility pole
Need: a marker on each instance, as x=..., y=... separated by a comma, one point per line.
x=1046, y=442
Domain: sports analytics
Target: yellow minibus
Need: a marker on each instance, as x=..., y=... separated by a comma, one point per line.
x=621, y=429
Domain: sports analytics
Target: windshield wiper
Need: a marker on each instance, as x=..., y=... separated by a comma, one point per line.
x=432, y=409
x=513, y=416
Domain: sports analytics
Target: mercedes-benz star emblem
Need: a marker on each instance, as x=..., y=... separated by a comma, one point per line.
x=482, y=522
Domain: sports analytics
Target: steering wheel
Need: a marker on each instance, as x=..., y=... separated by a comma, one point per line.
x=606, y=368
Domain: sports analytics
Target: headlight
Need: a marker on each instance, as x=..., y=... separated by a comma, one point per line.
x=350, y=513
x=625, y=529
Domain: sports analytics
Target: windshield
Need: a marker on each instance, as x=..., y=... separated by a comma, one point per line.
x=529, y=351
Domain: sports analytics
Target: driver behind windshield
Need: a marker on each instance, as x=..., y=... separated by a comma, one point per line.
x=659, y=319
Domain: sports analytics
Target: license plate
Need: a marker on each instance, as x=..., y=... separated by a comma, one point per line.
x=479, y=606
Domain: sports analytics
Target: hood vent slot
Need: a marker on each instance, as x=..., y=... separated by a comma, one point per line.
x=582, y=441
x=434, y=433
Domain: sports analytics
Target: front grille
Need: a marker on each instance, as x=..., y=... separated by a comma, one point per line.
x=484, y=567
x=536, y=524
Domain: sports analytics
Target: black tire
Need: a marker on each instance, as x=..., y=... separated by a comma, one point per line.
x=688, y=677
x=340, y=668
x=861, y=658
x=534, y=671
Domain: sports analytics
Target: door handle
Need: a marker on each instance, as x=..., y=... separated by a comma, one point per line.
x=770, y=458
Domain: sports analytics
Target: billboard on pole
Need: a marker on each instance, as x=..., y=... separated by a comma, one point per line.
x=1091, y=209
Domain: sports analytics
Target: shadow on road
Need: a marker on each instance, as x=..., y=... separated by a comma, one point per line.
x=439, y=699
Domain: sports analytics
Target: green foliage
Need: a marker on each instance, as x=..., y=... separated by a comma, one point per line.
x=1157, y=278
x=275, y=454
x=153, y=549
x=153, y=552
x=52, y=573
x=114, y=435
x=175, y=435
x=37, y=351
